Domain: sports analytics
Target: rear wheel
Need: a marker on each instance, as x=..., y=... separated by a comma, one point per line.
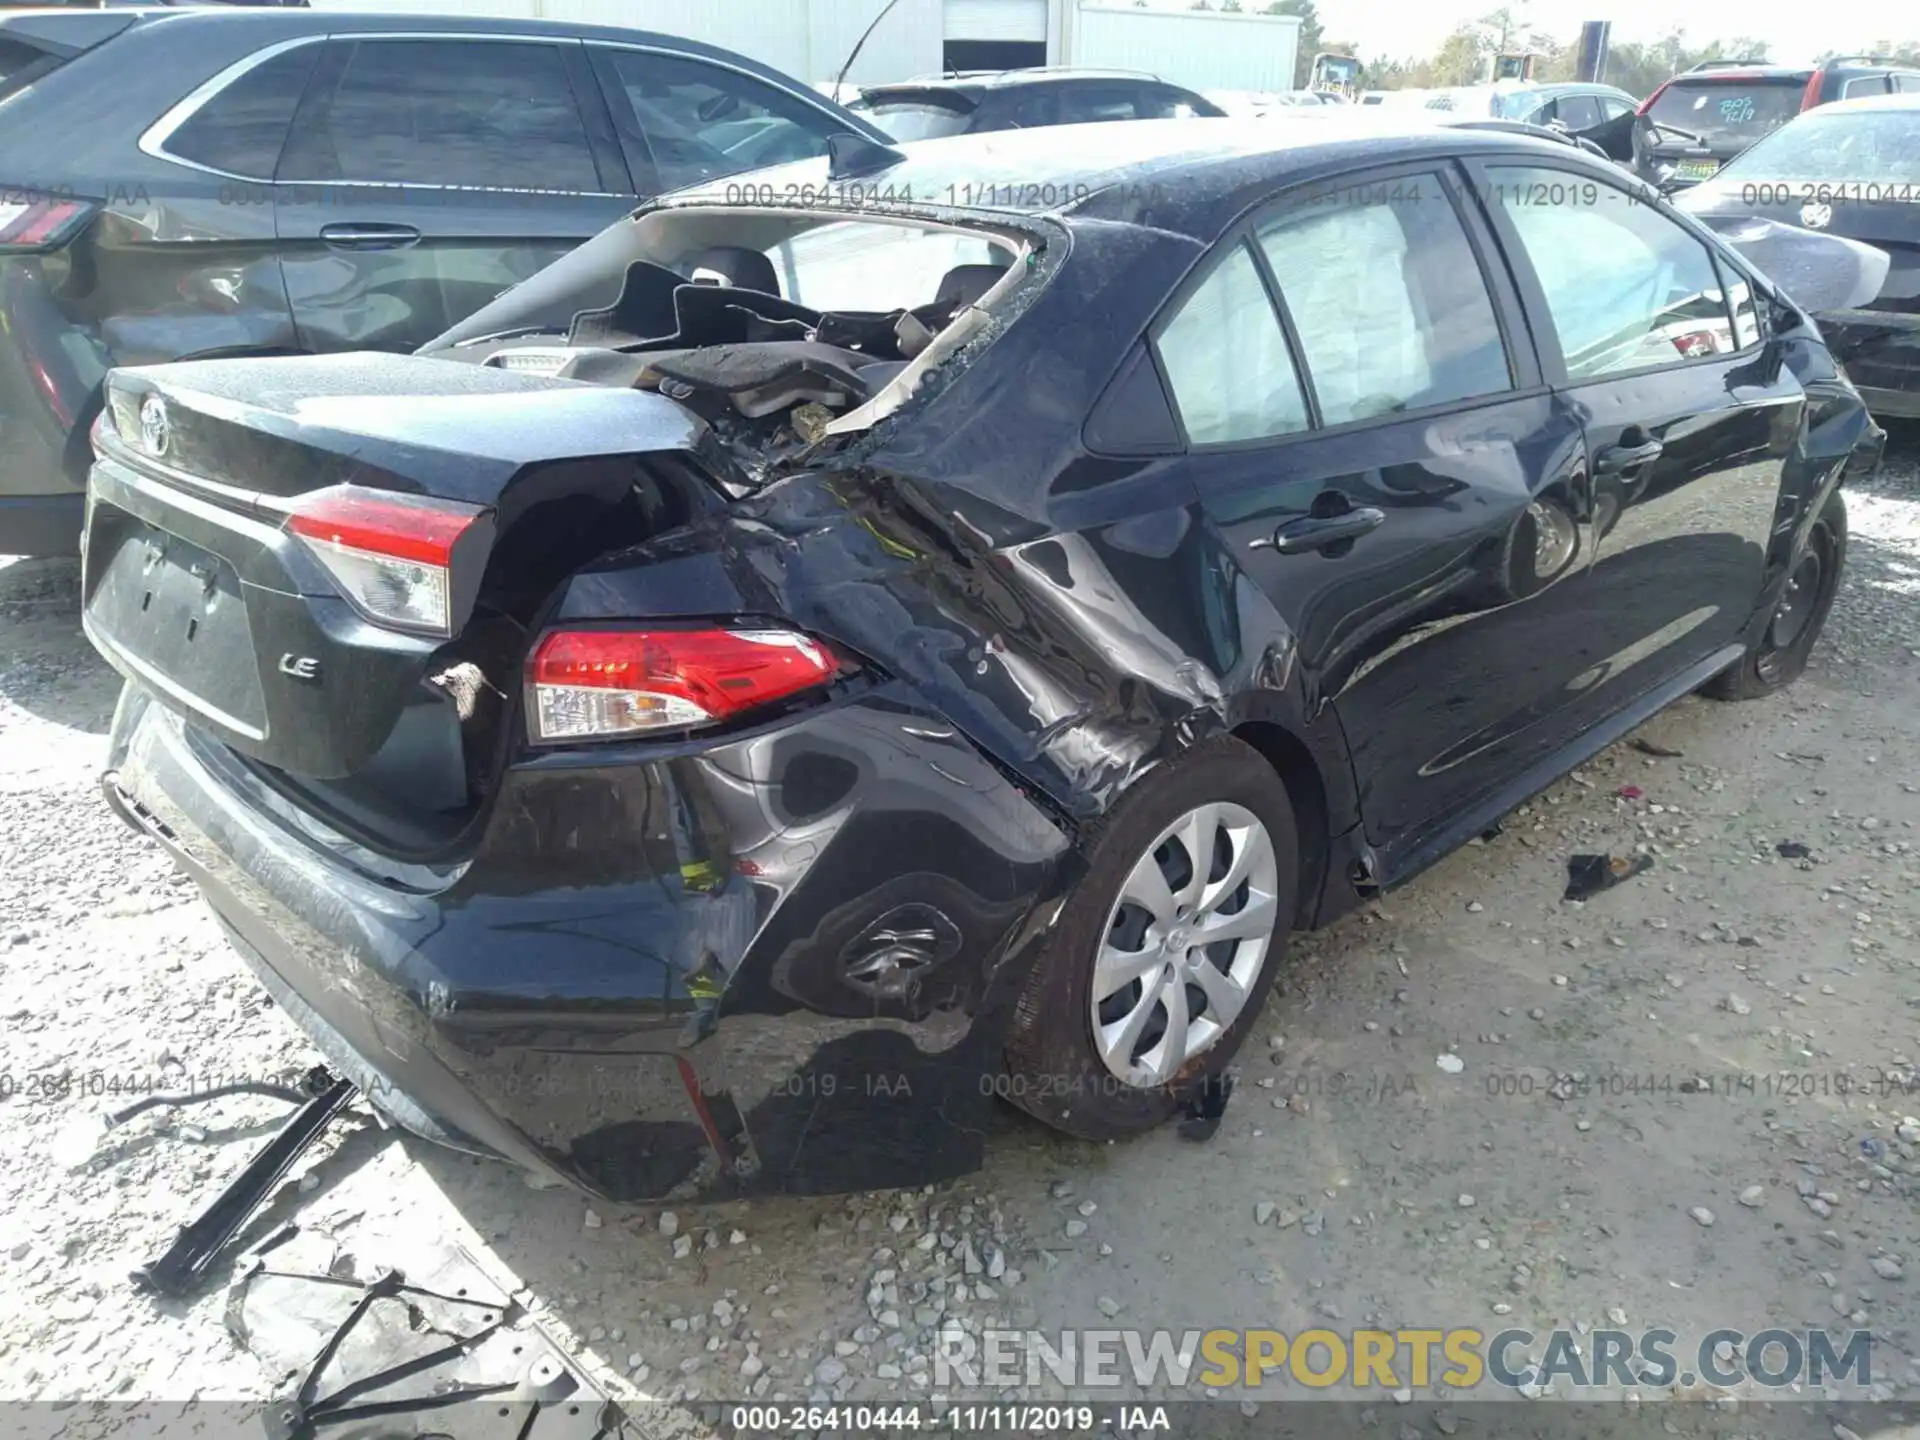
x=1164, y=955
x=1776, y=659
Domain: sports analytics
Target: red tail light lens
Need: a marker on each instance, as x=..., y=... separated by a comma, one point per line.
x=1810, y=97
x=44, y=223
x=391, y=555
x=594, y=684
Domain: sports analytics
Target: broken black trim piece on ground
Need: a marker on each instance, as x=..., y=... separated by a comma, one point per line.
x=180, y=1270
x=447, y=1353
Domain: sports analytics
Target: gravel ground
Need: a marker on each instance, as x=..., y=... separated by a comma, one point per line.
x=1357, y=1178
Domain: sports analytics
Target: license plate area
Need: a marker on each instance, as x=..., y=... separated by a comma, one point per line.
x=1697, y=169
x=176, y=614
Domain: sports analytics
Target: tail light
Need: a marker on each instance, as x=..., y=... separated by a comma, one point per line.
x=391, y=555
x=1810, y=96
x=44, y=223
x=595, y=684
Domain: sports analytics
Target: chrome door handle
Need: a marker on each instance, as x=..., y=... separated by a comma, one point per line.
x=1616, y=458
x=369, y=237
x=1316, y=532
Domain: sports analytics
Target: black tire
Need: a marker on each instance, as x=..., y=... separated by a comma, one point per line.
x=1052, y=1068
x=1769, y=664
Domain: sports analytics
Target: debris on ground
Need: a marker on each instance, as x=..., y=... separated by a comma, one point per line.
x=1793, y=850
x=1201, y=1116
x=1588, y=875
x=1649, y=747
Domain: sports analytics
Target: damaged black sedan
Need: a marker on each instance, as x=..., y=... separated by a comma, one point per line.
x=880, y=635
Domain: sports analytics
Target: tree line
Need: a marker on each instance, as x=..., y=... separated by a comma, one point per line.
x=1465, y=57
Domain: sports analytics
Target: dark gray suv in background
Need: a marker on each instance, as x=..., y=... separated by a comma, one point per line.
x=234, y=182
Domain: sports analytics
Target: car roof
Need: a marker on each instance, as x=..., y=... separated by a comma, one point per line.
x=289, y=21
x=1899, y=100
x=1186, y=176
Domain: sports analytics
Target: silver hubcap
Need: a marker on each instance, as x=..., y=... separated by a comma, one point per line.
x=1553, y=538
x=1184, y=943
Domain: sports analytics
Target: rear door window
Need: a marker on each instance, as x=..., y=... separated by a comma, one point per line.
x=1627, y=288
x=241, y=130
x=1906, y=84
x=1087, y=104
x=1387, y=299
x=470, y=113
x=1578, y=112
x=701, y=122
x=1730, y=110
x=1866, y=85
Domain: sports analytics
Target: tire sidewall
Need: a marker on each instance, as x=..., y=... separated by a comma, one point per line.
x=1793, y=660
x=1052, y=1068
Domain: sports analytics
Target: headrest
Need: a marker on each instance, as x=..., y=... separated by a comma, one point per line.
x=737, y=266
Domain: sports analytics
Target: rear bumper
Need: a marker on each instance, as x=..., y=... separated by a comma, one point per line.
x=42, y=525
x=646, y=979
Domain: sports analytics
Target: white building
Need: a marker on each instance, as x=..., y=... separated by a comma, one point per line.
x=810, y=39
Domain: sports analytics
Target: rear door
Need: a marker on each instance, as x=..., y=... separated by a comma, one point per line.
x=1372, y=440
x=425, y=175
x=1687, y=413
x=684, y=120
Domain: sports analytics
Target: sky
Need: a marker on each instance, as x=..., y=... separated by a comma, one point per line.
x=1797, y=32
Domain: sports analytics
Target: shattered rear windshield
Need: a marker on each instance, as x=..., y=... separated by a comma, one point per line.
x=1727, y=109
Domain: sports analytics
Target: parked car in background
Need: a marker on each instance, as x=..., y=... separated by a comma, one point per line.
x=722, y=736
x=238, y=181
x=1600, y=113
x=1695, y=123
x=927, y=109
x=1853, y=169
x=1255, y=103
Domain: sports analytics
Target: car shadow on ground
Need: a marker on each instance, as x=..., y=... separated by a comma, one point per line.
x=47, y=668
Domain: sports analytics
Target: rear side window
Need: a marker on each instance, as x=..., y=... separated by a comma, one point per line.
x=1170, y=104
x=21, y=64
x=1728, y=110
x=241, y=129
x=702, y=122
x=1627, y=288
x=922, y=119
x=1866, y=85
x=1387, y=300
x=1225, y=358
x=1906, y=84
x=1084, y=104
x=479, y=113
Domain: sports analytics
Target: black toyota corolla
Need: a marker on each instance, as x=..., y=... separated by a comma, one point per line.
x=885, y=634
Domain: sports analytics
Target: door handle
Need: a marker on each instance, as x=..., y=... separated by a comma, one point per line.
x=369, y=237
x=1322, y=532
x=1615, y=458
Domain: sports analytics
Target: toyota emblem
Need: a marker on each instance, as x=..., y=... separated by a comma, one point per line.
x=155, y=429
x=1816, y=216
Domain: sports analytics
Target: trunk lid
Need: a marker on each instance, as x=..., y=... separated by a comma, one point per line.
x=195, y=584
